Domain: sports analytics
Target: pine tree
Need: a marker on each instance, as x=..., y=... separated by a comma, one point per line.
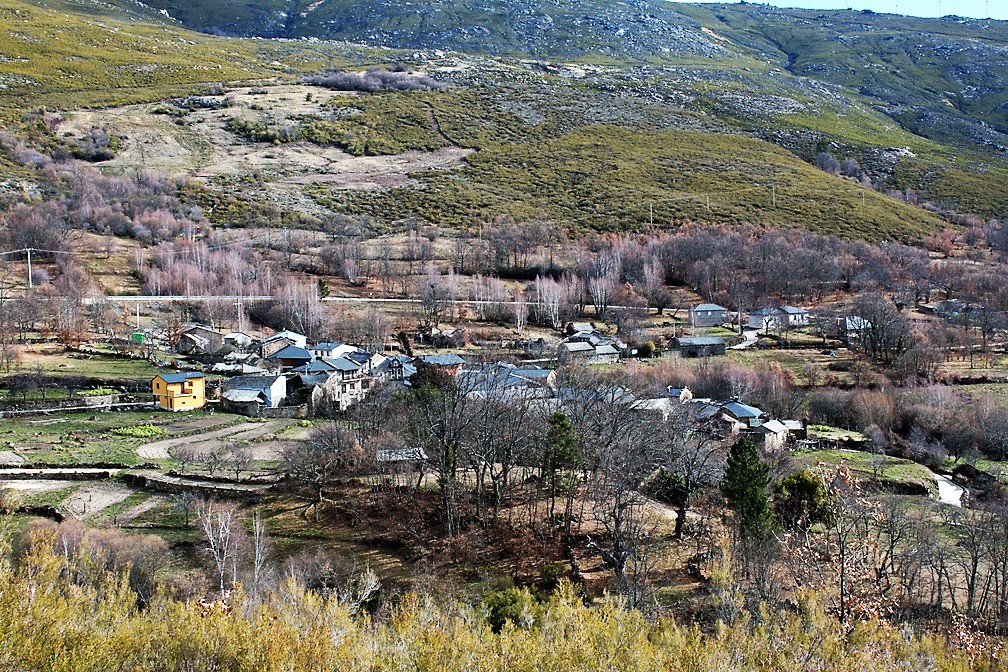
x=745, y=486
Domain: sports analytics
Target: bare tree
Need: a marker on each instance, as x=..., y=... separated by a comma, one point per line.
x=261, y=552
x=314, y=464
x=689, y=456
x=238, y=460
x=184, y=455
x=211, y=458
x=436, y=293
x=185, y=503
x=221, y=533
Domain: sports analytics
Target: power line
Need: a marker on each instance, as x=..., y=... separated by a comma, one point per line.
x=28, y=251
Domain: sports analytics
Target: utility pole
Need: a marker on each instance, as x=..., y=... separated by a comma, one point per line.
x=31, y=283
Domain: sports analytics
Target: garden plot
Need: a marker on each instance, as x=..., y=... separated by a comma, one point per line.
x=134, y=512
x=94, y=498
x=28, y=487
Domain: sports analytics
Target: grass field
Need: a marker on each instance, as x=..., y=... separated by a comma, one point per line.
x=864, y=465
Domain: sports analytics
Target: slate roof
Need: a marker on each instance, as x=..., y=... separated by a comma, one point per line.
x=448, y=359
x=250, y=382
x=772, y=426
x=578, y=346
x=243, y=396
x=178, y=377
x=292, y=352
x=710, y=307
x=341, y=364
x=742, y=411
x=699, y=341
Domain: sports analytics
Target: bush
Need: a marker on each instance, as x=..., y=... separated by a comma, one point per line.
x=98, y=392
x=801, y=500
x=515, y=605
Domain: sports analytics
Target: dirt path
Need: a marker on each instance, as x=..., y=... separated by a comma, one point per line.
x=160, y=450
x=132, y=513
x=199, y=484
x=94, y=498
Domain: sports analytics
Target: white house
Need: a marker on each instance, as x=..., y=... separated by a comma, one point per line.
x=765, y=319
x=331, y=349
x=267, y=391
x=300, y=340
x=237, y=339
x=796, y=317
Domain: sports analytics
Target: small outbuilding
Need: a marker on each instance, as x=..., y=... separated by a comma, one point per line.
x=699, y=346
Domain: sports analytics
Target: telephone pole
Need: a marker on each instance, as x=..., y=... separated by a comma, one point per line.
x=28, y=251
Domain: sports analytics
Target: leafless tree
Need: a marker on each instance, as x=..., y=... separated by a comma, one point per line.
x=185, y=503
x=222, y=534
x=690, y=458
x=261, y=553
x=238, y=460
x=185, y=454
x=315, y=463
x=436, y=293
x=211, y=458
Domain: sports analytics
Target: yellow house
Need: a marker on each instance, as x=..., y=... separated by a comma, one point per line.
x=179, y=391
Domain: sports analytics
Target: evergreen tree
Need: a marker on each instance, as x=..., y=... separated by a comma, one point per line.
x=745, y=486
x=561, y=453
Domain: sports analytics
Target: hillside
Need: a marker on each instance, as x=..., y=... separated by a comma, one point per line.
x=942, y=78
x=636, y=118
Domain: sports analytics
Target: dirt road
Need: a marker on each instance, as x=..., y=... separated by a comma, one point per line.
x=243, y=432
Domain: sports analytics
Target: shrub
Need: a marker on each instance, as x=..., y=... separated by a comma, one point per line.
x=515, y=605
x=801, y=500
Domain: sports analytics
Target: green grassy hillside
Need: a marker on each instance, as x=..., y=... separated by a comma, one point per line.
x=608, y=178
x=55, y=59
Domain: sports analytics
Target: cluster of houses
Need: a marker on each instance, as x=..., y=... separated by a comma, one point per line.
x=583, y=343
x=285, y=371
x=281, y=370
x=733, y=417
x=293, y=378
x=765, y=319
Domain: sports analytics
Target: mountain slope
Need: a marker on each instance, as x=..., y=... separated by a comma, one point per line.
x=539, y=28
x=56, y=59
x=945, y=79
x=618, y=142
